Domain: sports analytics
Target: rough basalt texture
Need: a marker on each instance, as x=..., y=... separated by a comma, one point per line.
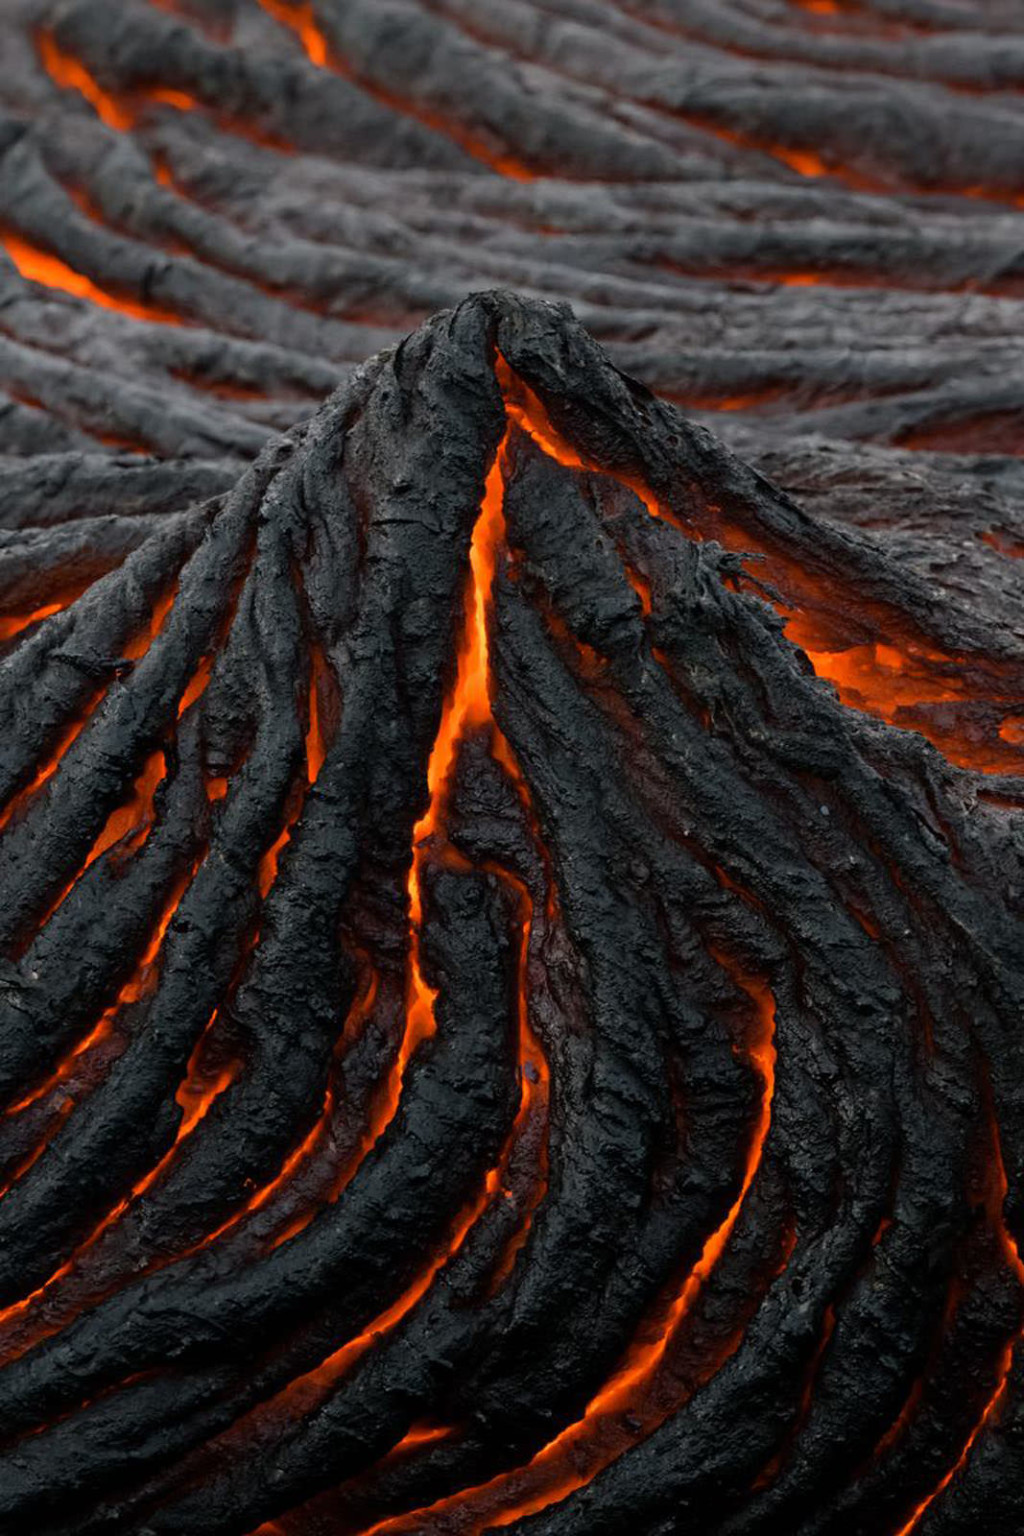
x=698, y=1203
x=511, y=963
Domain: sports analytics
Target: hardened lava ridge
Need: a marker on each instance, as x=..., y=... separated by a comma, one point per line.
x=490, y=1038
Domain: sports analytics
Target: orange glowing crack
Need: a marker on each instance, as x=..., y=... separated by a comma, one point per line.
x=998, y=539
x=138, y=984
x=197, y=685
x=884, y=680
x=316, y=747
x=13, y=624
x=39, y=266
x=323, y=1376
x=881, y=677
x=1012, y=1252
x=315, y=752
x=195, y=1095
x=172, y=98
x=569, y=1462
x=806, y=162
x=307, y=1389
x=136, y=816
x=469, y=706
x=357, y=1015
x=71, y=74
x=301, y=20
x=136, y=649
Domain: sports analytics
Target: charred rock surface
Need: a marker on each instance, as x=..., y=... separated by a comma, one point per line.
x=804, y=214
x=512, y=975
x=511, y=954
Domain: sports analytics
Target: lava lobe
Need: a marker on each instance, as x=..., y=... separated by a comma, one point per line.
x=511, y=990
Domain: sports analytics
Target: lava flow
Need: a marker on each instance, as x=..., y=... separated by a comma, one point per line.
x=488, y=1031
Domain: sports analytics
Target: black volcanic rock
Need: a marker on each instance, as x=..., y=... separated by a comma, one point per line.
x=485, y=1030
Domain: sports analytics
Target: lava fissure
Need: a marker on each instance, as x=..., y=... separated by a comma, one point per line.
x=525, y=1014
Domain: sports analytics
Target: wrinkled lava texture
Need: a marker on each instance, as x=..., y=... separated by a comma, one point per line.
x=511, y=815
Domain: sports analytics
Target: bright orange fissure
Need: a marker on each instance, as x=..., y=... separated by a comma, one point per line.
x=584, y=1448
x=199, y=1088
x=12, y=624
x=467, y=708
x=879, y=677
x=39, y=266
x=1001, y=1189
x=71, y=74
x=301, y=20
x=131, y=992
x=580, y=1451
x=884, y=679
x=315, y=752
x=133, y=651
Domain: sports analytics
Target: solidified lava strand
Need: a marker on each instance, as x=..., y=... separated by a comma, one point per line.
x=491, y=1040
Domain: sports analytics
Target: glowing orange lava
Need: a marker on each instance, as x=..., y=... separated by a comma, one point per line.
x=12, y=624
x=300, y=19
x=136, y=815
x=469, y=706
x=576, y=1455
x=71, y=74
x=133, y=989
x=39, y=266
x=995, y=1400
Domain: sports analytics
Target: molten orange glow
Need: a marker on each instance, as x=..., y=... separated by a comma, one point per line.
x=13, y=624
x=889, y=679
x=134, y=988
x=196, y=1093
x=179, y=99
x=469, y=706
x=70, y=74
x=996, y=538
x=575, y=1456
x=892, y=681
x=136, y=815
x=358, y=1013
x=267, y=871
x=100, y=1031
x=619, y=1395
x=300, y=20
x=316, y=747
x=197, y=685
x=995, y=1400
x=424, y=1434
x=135, y=649
x=803, y=160
x=878, y=673
x=40, y=267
